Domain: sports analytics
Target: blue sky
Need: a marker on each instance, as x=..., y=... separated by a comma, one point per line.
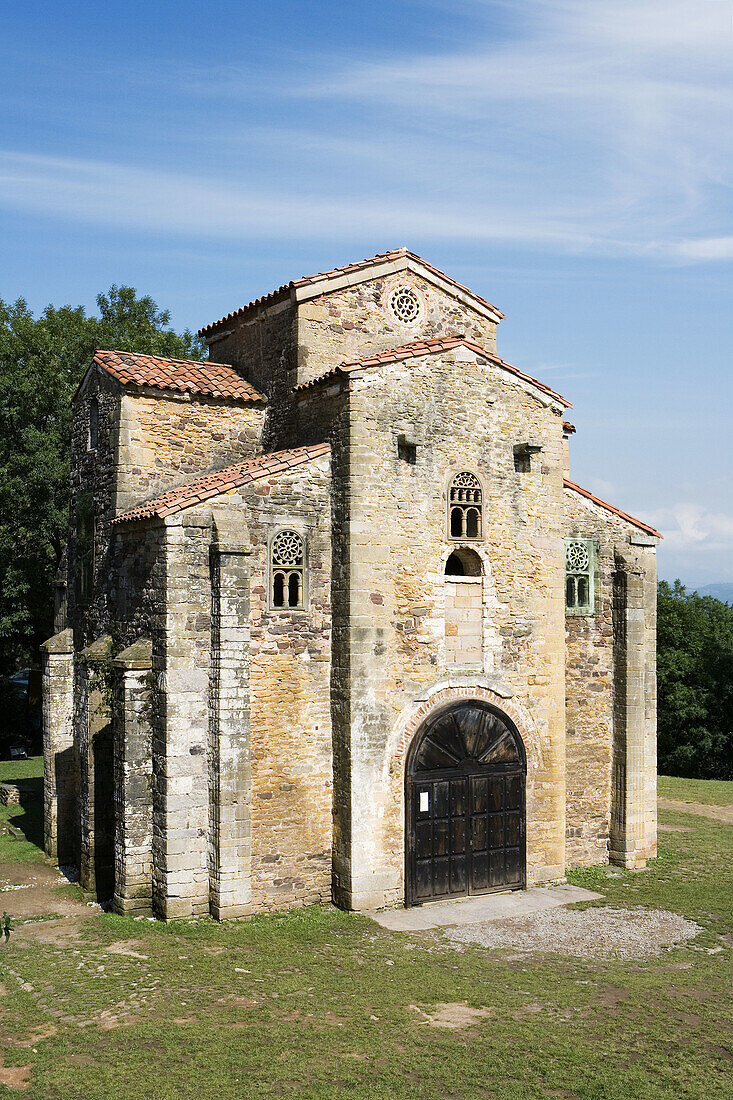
x=570, y=161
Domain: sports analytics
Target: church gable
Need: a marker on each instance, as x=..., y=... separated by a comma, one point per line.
x=381, y=313
x=222, y=482
x=371, y=305
x=460, y=349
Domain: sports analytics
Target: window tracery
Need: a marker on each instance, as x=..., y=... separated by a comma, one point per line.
x=405, y=305
x=579, y=576
x=465, y=507
x=287, y=571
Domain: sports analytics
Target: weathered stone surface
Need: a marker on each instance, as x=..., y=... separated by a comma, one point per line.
x=254, y=755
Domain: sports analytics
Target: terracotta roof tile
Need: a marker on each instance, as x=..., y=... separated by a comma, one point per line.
x=431, y=347
x=610, y=508
x=181, y=375
x=339, y=272
x=221, y=481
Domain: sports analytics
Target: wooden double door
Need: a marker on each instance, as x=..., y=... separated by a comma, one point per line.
x=465, y=806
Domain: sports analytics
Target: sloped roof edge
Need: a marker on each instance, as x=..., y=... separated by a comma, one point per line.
x=418, y=348
x=310, y=285
x=611, y=508
x=191, y=376
x=203, y=488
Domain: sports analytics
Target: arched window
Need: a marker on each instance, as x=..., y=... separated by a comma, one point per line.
x=463, y=563
x=465, y=507
x=287, y=567
x=579, y=576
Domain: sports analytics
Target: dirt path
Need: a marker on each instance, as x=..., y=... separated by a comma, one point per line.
x=717, y=813
x=34, y=893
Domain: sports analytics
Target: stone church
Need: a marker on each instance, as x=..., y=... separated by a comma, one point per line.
x=336, y=622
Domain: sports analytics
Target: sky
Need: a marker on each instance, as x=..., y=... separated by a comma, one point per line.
x=570, y=161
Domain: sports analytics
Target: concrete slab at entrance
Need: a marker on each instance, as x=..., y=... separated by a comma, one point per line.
x=517, y=903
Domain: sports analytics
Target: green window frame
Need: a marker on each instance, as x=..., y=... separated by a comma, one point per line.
x=580, y=577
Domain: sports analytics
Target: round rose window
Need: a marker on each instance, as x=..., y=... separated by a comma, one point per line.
x=404, y=305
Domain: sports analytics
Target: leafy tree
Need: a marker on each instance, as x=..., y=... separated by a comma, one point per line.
x=42, y=361
x=695, y=681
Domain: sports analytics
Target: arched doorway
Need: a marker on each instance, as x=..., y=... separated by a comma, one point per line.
x=465, y=805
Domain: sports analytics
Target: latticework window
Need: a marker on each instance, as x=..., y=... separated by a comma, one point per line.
x=465, y=504
x=579, y=576
x=287, y=569
x=405, y=305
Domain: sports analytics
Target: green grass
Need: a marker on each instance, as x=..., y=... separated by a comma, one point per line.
x=318, y=1004
x=21, y=827
x=21, y=769
x=716, y=792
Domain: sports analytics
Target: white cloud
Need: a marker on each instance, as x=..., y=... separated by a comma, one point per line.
x=707, y=248
x=591, y=128
x=689, y=527
x=620, y=116
x=144, y=199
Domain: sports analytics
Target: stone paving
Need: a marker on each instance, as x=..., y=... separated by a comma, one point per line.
x=517, y=903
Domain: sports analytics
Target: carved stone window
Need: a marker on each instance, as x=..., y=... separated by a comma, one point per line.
x=465, y=507
x=404, y=305
x=287, y=571
x=579, y=576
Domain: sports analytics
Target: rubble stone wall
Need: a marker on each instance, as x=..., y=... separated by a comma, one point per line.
x=396, y=543
x=357, y=321
x=261, y=345
x=166, y=439
x=595, y=675
x=290, y=711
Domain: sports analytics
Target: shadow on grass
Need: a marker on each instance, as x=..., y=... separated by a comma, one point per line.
x=30, y=800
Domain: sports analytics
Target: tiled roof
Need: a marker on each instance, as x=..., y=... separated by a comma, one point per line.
x=212, y=485
x=568, y=428
x=181, y=375
x=339, y=272
x=419, y=348
x=610, y=508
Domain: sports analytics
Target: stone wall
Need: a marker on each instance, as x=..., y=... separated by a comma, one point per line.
x=60, y=756
x=241, y=732
x=464, y=622
x=261, y=345
x=589, y=697
x=133, y=791
x=93, y=475
x=356, y=321
x=290, y=709
x=599, y=783
x=462, y=413
x=166, y=439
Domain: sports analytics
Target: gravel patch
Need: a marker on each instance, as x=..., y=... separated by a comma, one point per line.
x=599, y=932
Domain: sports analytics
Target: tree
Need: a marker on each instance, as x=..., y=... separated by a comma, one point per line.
x=695, y=683
x=42, y=361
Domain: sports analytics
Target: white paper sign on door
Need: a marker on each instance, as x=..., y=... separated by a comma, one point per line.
x=424, y=802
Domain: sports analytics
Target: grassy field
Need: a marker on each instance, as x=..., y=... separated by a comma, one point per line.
x=717, y=792
x=22, y=842
x=319, y=1004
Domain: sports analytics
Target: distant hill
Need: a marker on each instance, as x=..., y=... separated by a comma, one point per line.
x=722, y=590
